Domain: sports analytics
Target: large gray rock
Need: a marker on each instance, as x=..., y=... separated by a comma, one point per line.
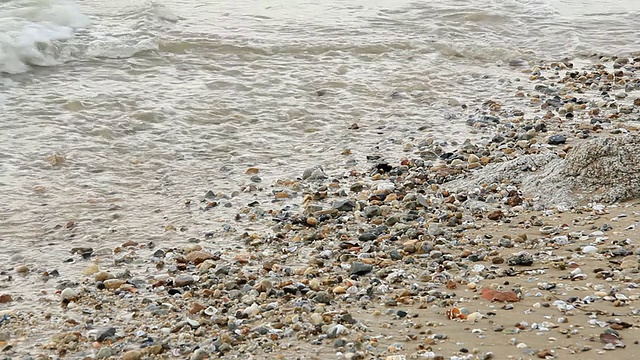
x=600, y=169
x=609, y=168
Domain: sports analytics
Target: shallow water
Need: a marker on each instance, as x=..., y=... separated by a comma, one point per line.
x=156, y=103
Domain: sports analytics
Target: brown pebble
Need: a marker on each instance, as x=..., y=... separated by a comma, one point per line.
x=496, y=215
x=198, y=257
x=130, y=244
x=196, y=308
x=22, y=269
x=542, y=354
x=497, y=260
x=311, y=221
x=5, y=298
x=132, y=355
x=113, y=283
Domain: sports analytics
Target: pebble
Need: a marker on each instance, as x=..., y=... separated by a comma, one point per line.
x=557, y=139
x=589, y=249
x=132, y=355
x=183, y=280
x=359, y=268
x=104, y=353
x=69, y=294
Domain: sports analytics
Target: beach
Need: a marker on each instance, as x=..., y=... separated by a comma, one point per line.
x=363, y=179
x=488, y=249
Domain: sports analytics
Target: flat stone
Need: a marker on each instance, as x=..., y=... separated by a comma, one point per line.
x=104, y=353
x=197, y=257
x=132, y=355
x=557, y=139
x=322, y=297
x=183, y=280
x=522, y=259
x=344, y=205
x=360, y=268
x=106, y=333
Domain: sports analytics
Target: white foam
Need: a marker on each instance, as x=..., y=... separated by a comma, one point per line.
x=32, y=32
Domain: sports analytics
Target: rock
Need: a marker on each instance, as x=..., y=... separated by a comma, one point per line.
x=344, y=205
x=315, y=173
x=322, y=297
x=22, y=269
x=197, y=257
x=589, y=249
x=183, y=280
x=5, y=298
x=113, y=284
x=371, y=211
x=316, y=319
x=69, y=294
x=360, y=268
x=521, y=259
x=132, y=355
x=608, y=166
x=367, y=237
x=90, y=270
x=334, y=331
x=196, y=308
x=102, y=276
x=199, y=355
x=434, y=229
x=104, y=353
x=105, y=334
x=557, y=139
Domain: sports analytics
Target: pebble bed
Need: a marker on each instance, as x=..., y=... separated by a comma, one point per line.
x=387, y=262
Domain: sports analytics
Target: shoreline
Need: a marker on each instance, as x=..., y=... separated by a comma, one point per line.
x=366, y=264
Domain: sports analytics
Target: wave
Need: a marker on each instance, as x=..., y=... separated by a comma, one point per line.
x=32, y=33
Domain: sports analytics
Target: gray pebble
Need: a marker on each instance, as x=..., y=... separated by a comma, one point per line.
x=344, y=205
x=183, y=280
x=360, y=268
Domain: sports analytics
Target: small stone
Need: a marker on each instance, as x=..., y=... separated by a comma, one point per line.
x=102, y=276
x=315, y=173
x=197, y=257
x=196, y=308
x=542, y=354
x=344, y=205
x=367, y=237
x=69, y=294
x=5, y=298
x=496, y=215
x=316, y=319
x=113, y=284
x=360, y=268
x=90, y=270
x=521, y=259
x=335, y=330
x=434, y=229
x=311, y=221
x=105, y=334
x=473, y=159
x=183, y=280
x=132, y=355
x=322, y=297
x=104, y=353
x=22, y=269
x=589, y=249
x=372, y=211
x=338, y=290
x=199, y=355
x=557, y=139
